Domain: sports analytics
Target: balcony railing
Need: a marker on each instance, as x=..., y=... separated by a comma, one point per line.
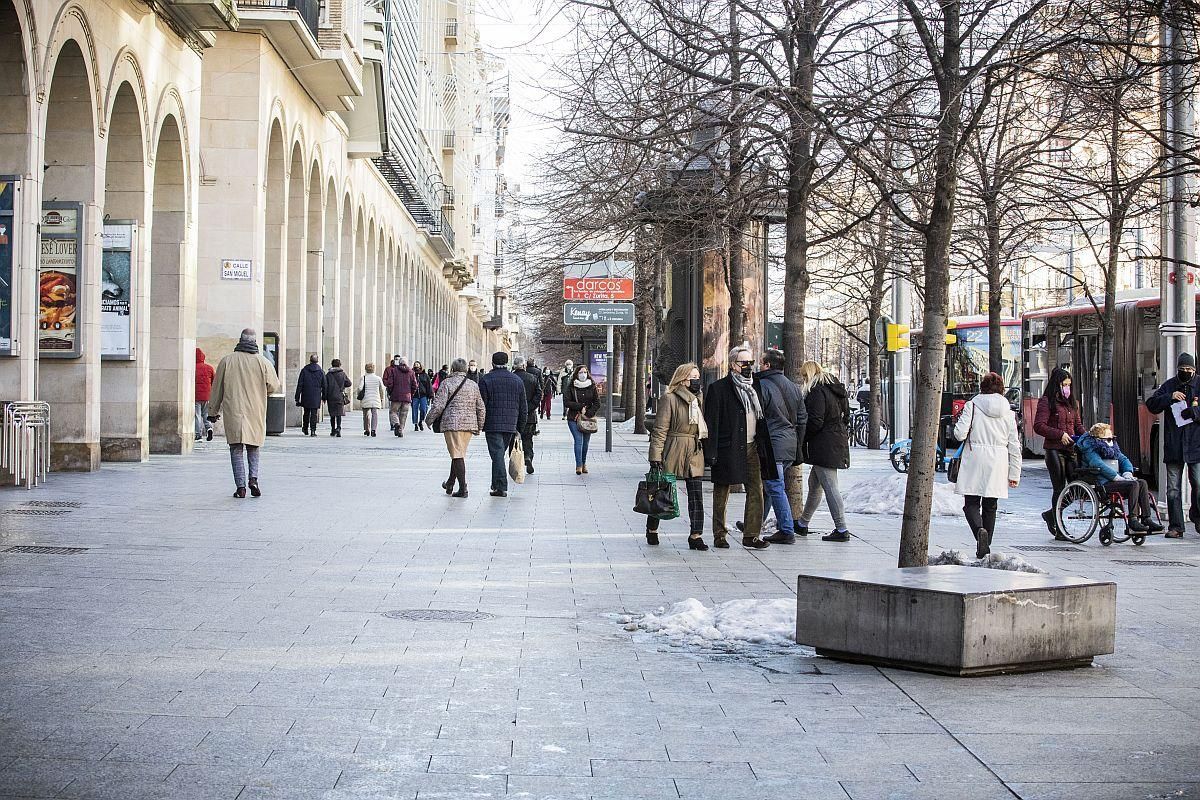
x=309, y=10
x=451, y=33
x=448, y=141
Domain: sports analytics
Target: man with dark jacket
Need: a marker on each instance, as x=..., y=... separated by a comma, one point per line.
x=738, y=446
x=786, y=416
x=531, y=377
x=310, y=391
x=401, y=383
x=1181, y=445
x=503, y=396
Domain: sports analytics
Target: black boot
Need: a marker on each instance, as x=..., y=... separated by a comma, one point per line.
x=983, y=542
x=460, y=467
x=697, y=543
x=651, y=536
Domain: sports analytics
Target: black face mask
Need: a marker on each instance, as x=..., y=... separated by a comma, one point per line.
x=1185, y=377
x=694, y=386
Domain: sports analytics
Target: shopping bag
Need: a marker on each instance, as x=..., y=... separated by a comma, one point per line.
x=657, y=496
x=516, y=461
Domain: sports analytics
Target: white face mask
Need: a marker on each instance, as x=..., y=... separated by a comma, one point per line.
x=583, y=377
x=396, y=361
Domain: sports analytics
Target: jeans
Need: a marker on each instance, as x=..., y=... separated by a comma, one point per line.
x=420, y=407
x=823, y=482
x=581, y=443
x=695, y=501
x=399, y=415
x=1175, y=519
x=752, y=526
x=370, y=419
x=310, y=419
x=203, y=426
x=498, y=444
x=977, y=519
x=239, y=459
x=777, y=496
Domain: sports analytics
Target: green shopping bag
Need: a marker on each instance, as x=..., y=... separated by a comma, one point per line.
x=657, y=496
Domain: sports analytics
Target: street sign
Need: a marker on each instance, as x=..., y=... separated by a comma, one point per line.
x=605, y=289
x=598, y=314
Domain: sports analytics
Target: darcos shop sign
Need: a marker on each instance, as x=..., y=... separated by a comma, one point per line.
x=598, y=288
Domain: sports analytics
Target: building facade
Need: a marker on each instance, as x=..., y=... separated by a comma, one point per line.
x=183, y=170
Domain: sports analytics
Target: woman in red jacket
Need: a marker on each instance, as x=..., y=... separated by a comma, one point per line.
x=1058, y=420
x=204, y=381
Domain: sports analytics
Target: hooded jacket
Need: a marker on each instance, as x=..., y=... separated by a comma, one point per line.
x=991, y=453
x=336, y=384
x=826, y=438
x=1092, y=456
x=204, y=378
x=310, y=386
x=400, y=382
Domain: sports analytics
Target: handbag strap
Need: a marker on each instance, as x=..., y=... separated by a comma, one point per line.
x=453, y=395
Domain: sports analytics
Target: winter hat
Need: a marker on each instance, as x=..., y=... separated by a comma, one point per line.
x=1185, y=360
x=499, y=359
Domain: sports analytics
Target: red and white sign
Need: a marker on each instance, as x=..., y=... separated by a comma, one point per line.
x=598, y=289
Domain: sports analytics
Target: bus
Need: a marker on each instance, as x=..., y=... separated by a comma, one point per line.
x=1069, y=336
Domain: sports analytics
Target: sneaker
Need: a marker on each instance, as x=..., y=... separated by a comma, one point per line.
x=836, y=536
x=208, y=434
x=529, y=468
x=779, y=537
x=800, y=528
x=498, y=493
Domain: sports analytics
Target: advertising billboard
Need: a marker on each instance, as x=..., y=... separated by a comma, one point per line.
x=58, y=279
x=8, y=244
x=116, y=289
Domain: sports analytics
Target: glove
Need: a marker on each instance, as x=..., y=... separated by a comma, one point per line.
x=1127, y=476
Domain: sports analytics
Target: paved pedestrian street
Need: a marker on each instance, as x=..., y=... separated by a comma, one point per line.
x=295, y=646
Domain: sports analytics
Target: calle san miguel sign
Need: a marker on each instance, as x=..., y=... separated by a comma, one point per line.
x=603, y=289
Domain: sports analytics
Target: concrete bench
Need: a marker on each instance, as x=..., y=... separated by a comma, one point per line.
x=956, y=620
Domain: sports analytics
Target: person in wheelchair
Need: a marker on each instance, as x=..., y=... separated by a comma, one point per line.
x=1100, y=453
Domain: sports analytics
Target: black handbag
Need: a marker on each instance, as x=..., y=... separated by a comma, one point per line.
x=362, y=391
x=657, y=496
x=437, y=423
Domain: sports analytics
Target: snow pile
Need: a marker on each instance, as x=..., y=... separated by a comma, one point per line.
x=886, y=496
x=729, y=624
x=1002, y=561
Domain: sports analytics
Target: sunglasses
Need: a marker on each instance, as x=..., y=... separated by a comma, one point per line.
x=751, y=363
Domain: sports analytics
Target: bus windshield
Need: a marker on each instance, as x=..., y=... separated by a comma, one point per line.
x=967, y=360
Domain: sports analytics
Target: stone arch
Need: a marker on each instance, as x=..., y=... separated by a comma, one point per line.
x=71, y=25
x=330, y=285
x=292, y=335
x=346, y=272
x=314, y=257
x=274, y=247
x=127, y=71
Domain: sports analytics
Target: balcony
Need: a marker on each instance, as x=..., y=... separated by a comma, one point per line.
x=448, y=141
x=203, y=15
x=451, y=31
x=448, y=199
x=440, y=234
x=331, y=77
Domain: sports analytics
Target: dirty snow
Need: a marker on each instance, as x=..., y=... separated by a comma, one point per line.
x=886, y=496
x=736, y=622
x=1004, y=561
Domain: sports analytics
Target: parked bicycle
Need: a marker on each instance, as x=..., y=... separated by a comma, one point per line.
x=859, y=429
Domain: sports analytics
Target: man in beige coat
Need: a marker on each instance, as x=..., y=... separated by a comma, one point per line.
x=240, y=388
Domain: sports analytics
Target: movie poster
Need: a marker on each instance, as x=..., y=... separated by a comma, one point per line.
x=598, y=367
x=58, y=275
x=8, y=241
x=116, y=291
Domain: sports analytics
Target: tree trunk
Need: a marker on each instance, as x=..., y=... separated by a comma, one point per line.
x=628, y=358
x=642, y=362
x=1108, y=319
x=995, y=285
x=737, y=282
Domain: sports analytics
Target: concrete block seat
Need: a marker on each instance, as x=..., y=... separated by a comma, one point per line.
x=956, y=620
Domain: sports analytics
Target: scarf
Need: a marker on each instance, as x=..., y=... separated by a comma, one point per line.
x=246, y=344
x=582, y=384
x=1106, y=451
x=746, y=393
x=695, y=416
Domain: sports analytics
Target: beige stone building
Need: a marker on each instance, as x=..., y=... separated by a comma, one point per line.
x=181, y=170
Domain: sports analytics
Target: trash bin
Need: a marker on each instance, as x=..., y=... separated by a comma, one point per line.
x=276, y=414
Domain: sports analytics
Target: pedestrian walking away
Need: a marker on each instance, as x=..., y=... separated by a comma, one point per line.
x=827, y=447
x=503, y=396
x=240, y=388
x=371, y=396
x=1181, y=443
x=568, y=375
x=531, y=379
x=990, y=463
x=1059, y=421
x=310, y=391
x=459, y=413
x=421, y=397
x=786, y=418
x=204, y=381
x=738, y=447
x=401, y=385
x=581, y=401
x=1099, y=451
x=677, y=446
x=336, y=396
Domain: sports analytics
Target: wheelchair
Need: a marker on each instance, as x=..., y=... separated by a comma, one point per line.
x=1085, y=506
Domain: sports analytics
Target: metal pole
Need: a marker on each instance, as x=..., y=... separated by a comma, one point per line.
x=608, y=401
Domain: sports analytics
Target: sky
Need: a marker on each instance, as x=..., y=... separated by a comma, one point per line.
x=528, y=35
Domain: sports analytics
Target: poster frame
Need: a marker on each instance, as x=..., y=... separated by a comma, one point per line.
x=76, y=350
x=12, y=221
x=131, y=347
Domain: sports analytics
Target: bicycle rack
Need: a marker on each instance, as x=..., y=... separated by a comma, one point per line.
x=25, y=442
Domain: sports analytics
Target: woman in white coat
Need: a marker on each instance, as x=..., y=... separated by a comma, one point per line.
x=991, y=458
x=371, y=397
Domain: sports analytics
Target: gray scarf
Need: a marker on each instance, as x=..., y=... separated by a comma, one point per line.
x=746, y=393
x=246, y=344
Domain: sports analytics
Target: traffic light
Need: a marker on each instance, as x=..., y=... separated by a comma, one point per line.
x=951, y=337
x=897, y=337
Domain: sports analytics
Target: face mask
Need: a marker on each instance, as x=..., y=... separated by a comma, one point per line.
x=1066, y=391
x=1186, y=376
x=694, y=386
x=746, y=369
x=396, y=361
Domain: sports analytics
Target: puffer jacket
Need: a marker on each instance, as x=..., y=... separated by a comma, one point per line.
x=373, y=391
x=504, y=395
x=466, y=413
x=310, y=386
x=204, y=378
x=991, y=454
x=827, y=442
x=1092, y=455
x=401, y=383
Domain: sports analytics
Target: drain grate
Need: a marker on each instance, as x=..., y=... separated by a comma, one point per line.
x=1046, y=548
x=1154, y=563
x=36, y=512
x=31, y=549
x=438, y=615
x=53, y=504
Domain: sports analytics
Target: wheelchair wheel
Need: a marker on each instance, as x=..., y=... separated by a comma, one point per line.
x=1077, y=511
x=1106, y=537
x=1139, y=540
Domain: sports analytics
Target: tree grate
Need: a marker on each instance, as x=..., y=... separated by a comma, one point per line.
x=1154, y=563
x=53, y=504
x=1046, y=548
x=36, y=512
x=30, y=549
x=438, y=615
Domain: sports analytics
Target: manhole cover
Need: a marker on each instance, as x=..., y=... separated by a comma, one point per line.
x=438, y=615
x=1154, y=563
x=53, y=504
x=36, y=512
x=1046, y=548
x=46, y=551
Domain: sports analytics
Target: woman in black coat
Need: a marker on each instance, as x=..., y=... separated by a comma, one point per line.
x=310, y=391
x=580, y=400
x=336, y=384
x=826, y=446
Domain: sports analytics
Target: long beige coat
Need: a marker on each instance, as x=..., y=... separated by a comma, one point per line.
x=675, y=440
x=239, y=395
